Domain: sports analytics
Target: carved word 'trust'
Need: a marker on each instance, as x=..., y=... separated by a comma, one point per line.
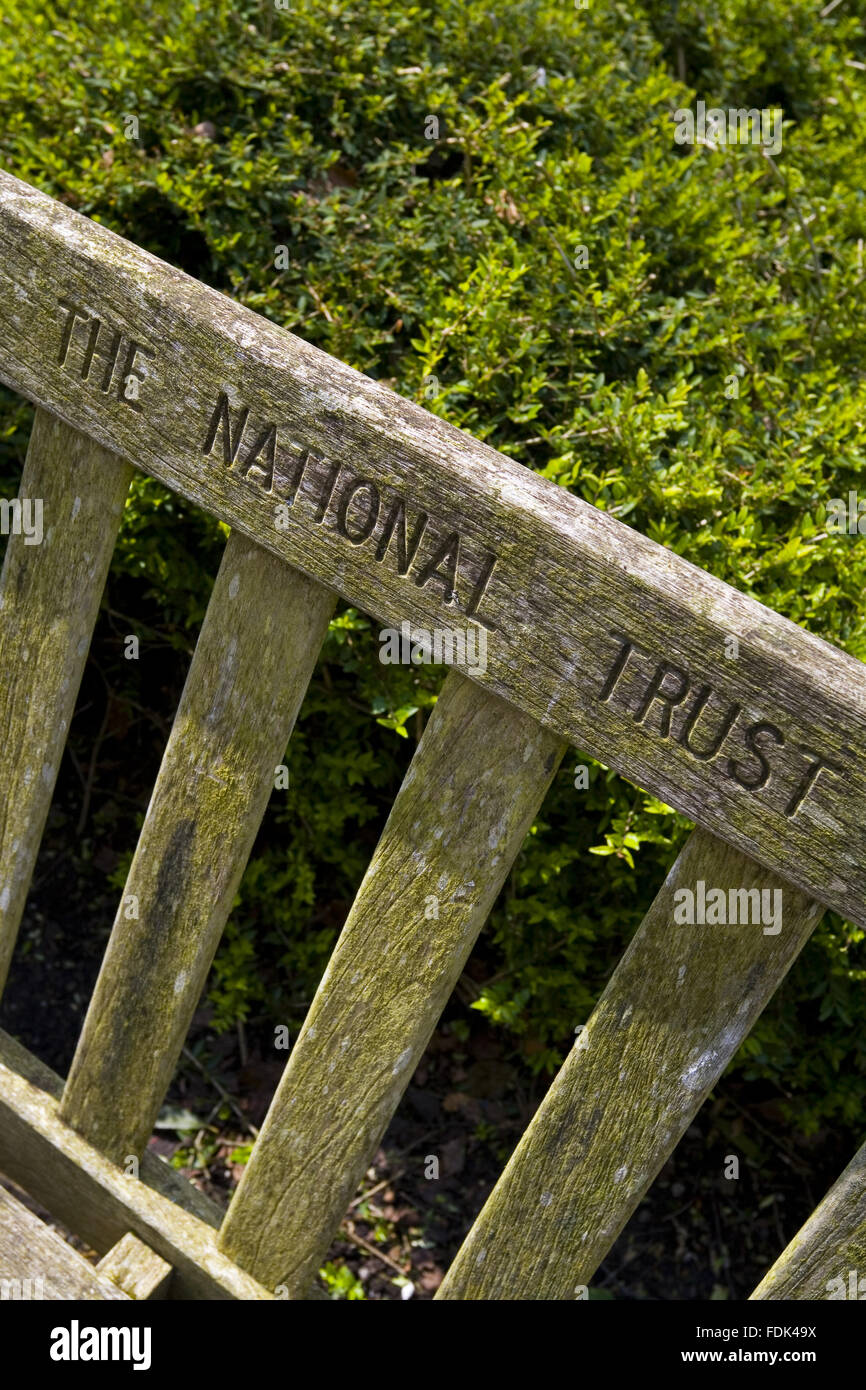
x=705, y=730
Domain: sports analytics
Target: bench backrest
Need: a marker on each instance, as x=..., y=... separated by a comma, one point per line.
x=567, y=627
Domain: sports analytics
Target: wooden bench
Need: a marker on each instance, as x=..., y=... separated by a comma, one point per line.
x=333, y=485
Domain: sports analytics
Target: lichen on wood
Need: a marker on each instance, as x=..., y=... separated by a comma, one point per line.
x=475, y=783
x=680, y=1002
x=258, y=645
x=49, y=598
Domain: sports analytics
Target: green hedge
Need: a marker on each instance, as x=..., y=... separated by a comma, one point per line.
x=451, y=269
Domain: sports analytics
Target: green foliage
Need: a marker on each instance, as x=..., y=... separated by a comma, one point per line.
x=449, y=269
x=341, y=1282
x=241, y=1154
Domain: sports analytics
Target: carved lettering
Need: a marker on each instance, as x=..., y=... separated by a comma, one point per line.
x=447, y=554
x=127, y=390
x=105, y=343
x=667, y=698
x=817, y=764
x=762, y=777
x=295, y=476
x=72, y=314
x=478, y=593
x=110, y=356
x=703, y=697
x=619, y=665
x=367, y=526
x=287, y=485
x=668, y=686
x=265, y=448
x=406, y=550
x=327, y=493
x=222, y=420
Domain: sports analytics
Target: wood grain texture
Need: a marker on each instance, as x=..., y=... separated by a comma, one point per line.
x=258, y=645
x=136, y=1269
x=466, y=804
x=49, y=599
x=413, y=520
x=33, y=1254
x=155, y=1172
x=676, y=1009
x=96, y=1200
x=820, y=1260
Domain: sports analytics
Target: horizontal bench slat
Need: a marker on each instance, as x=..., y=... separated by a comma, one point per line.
x=50, y=590
x=96, y=1199
x=37, y=1263
x=680, y=1002
x=610, y=640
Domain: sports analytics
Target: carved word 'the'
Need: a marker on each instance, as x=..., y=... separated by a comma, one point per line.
x=85, y=339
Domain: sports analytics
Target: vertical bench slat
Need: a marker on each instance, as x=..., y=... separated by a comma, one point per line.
x=678, y=1006
x=829, y=1248
x=476, y=781
x=49, y=599
x=262, y=633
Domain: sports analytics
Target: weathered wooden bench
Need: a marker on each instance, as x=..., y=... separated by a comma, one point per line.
x=596, y=636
